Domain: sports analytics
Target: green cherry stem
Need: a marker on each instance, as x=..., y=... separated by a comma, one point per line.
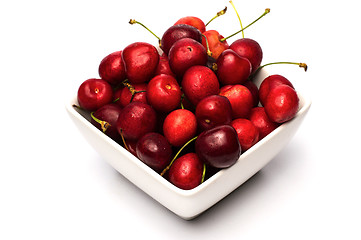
x=208, y=50
x=133, y=21
x=175, y=157
x=204, y=172
x=301, y=65
x=103, y=124
x=234, y=7
x=220, y=13
x=265, y=13
x=123, y=140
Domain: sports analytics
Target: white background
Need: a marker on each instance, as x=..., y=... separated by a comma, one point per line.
x=53, y=185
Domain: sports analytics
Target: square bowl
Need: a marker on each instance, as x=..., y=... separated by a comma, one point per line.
x=190, y=203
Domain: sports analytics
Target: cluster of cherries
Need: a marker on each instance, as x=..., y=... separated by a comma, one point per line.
x=189, y=108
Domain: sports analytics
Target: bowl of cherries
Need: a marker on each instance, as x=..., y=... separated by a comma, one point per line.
x=190, y=119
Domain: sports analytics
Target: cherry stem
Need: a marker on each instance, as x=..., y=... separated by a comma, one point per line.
x=265, y=13
x=175, y=157
x=132, y=90
x=104, y=125
x=301, y=65
x=133, y=21
x=220, y=13
x=208, y=50
x=231, y=2
x=181, y=102
x=204, y=172
x=123, y=140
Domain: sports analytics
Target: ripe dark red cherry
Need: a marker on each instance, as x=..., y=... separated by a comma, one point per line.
x=135, y=120
x=212, y=111
x=186, y=53
x=140, y=61
x=247, y=133
x=232, y=68
x=241, y=99
x=252, y=87
x=186, y=172
x=179, y=127
x=219, y=147
x=250, y=49
x=164, y=93
x=269, y=83
x=192, y=21
x=105, y=119
x=281, y=104
x=199, y=82
x=262, y=122
x=94, y=93
x=111, y=68
x=154, y=150
x=176, y=32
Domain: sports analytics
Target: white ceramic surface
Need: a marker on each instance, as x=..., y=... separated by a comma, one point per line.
x=189, y=203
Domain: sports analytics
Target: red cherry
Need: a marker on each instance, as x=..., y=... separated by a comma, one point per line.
x=164, y=93
x=199, y=82
x=111, y=68
x=269, y=83
x=212, y=111
x=140, y=61
x=250, y=49
x=262, y=122
x=215, y=45
x=241, y=100
x=186, y=172
x=154, y=150
x=281, y=104
x=192, y=21
x=177, y=32
x=135, y=120
x=232, y=68
x=163, y=66
x=185, y=53
x=247, y=133
x=179, y=127
x=94, y=93
x=219, y=146
x=105, y=119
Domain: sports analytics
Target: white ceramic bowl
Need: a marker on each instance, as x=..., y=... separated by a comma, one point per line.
x=190, y=203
